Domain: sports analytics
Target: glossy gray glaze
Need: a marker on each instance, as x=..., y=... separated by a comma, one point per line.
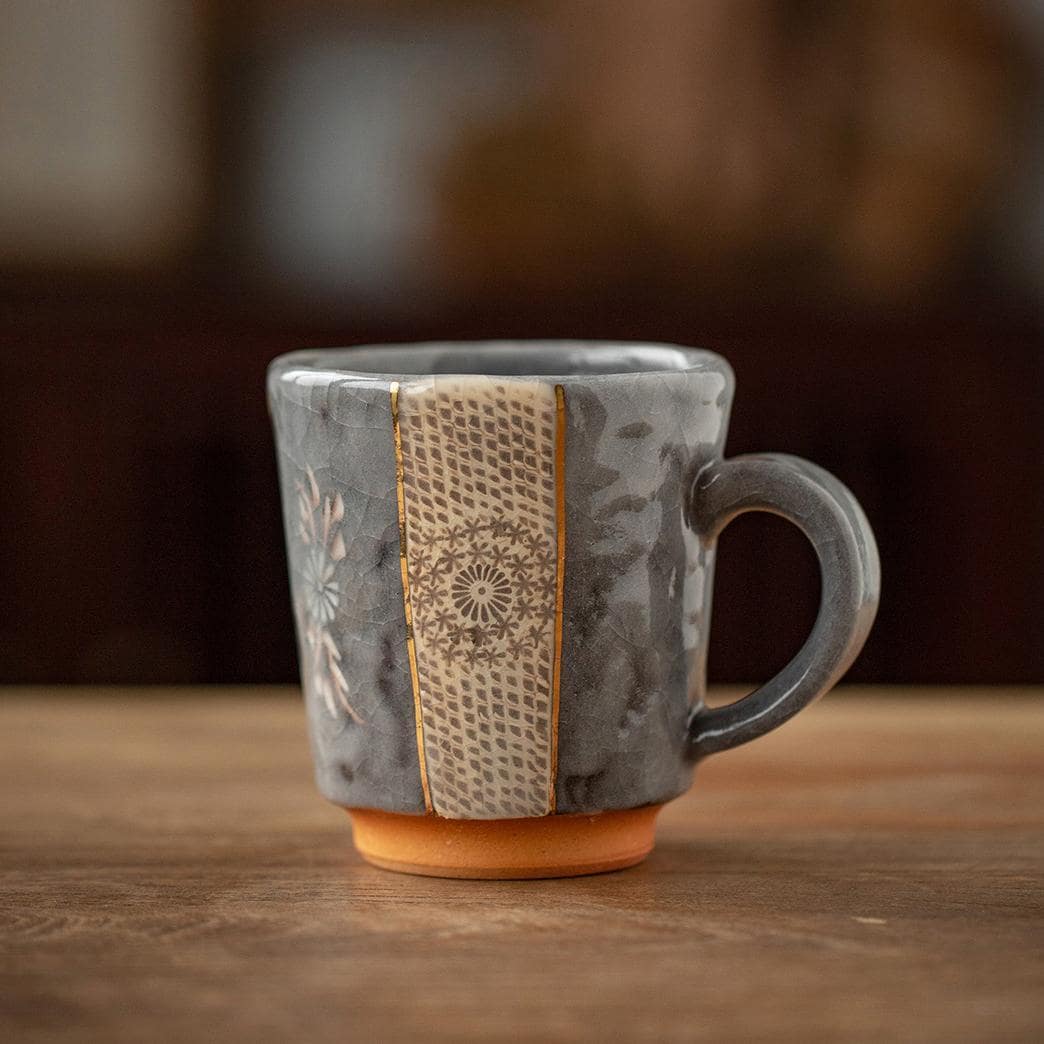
x=637, y=585
x=647, y=493
x=834, y=523
x=341, y=429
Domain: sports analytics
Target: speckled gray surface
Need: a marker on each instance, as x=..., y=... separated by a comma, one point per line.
x=342, y=430
x=647, y=493
x=636, y=585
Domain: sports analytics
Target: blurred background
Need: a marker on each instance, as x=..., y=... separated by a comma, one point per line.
x=846, y=199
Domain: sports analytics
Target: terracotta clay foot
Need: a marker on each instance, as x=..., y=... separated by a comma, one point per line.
x=549, y=846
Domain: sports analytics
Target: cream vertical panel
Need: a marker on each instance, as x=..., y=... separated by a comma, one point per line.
x=480, y=506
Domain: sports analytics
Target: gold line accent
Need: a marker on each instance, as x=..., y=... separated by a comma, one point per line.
x=411, y=650
x=556, y=682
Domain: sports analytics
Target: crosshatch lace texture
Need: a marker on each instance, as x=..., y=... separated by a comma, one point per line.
x=478, y=460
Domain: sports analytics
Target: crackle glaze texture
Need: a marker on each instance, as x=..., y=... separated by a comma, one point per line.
x=637, y=585
x=340, y=431
x=502, y=580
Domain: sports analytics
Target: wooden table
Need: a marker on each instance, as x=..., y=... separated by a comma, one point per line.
x=872, y=872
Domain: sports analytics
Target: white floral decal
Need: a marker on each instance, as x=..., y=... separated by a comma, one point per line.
x=319, y=528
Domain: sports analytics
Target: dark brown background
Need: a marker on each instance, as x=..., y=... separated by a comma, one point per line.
x=825, y=194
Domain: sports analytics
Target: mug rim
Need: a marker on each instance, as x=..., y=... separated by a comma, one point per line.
x=597, y=360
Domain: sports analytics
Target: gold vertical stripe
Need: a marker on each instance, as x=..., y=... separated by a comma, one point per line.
x=411, y=650
x=556, y=680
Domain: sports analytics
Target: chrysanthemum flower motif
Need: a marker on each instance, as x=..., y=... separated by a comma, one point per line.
x=320, y=589
x=481, y=592
x=319, y=529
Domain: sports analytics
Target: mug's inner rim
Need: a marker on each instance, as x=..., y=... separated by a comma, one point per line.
x=505, y=358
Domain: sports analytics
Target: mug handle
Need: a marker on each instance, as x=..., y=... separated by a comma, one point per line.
x=827, y=513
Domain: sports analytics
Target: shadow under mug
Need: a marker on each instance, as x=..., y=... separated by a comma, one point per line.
x=501, y=560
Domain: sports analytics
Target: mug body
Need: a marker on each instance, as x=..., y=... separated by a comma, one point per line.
x=501, y=610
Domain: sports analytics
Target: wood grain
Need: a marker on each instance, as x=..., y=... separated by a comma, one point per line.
x=872, y=872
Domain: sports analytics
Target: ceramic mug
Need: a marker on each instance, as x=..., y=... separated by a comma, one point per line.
x=501, y=559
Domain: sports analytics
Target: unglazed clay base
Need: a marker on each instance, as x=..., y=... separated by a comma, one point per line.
x=546, y=846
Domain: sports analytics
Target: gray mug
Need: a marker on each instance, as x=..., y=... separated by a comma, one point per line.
x=501, y=560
